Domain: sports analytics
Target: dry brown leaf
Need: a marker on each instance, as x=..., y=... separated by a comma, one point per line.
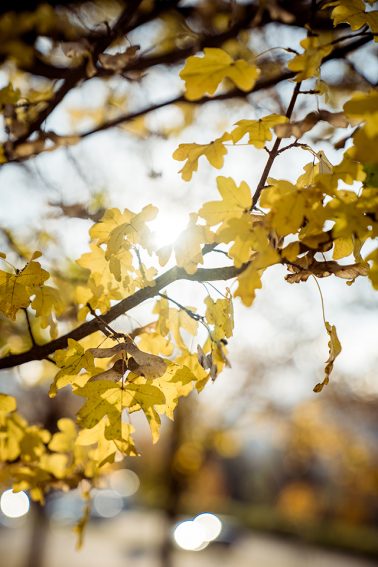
x=297, y=129
x=334, y=346
x=324, y=269
x=144, y=364
x=118, y=61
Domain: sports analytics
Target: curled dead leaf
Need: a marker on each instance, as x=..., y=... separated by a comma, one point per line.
x=297, y=129
x=334, y=347
x=118, y=61
x=324, y=269
x=141, y=363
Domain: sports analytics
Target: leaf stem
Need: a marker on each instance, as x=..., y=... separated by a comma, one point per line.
x=322, y=301
x=32, y=338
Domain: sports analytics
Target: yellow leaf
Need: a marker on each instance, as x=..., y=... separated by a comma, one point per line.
x=286, y=204
x=308, y=63
x=219, y=314
x=16, y=289
x=259, y=131
x=48, y=300
x=373, y=272
x=249, y=239
x=142, y=395
x=64, y=440
x=203, y=74
x=71, y=361
x=248, y=282
x=178, y=381
x=353, y=13
x=155, y=344
x=363, y=107
x=104, y=398
x=7, y=404
x=343, y=247
x=214, y=153
x=235, y=201
x=55, y=464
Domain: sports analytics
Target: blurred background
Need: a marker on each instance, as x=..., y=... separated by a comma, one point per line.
x=257, y=470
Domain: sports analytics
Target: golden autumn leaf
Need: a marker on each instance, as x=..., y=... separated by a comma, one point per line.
x=16, y=289
x=248, y=282
x=47, y=304
x=71, y=361
x=64, y=440
x=7, y=403
x=343, y=247
x=307, y=64
x=235, y=201
x=353, y=13
x=202, y=75
x=259, y=131
x=287, y=206
x=363, y=107
x=214, y=153
x=219, y=314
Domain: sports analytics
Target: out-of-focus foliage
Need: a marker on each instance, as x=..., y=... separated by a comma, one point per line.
x=323, y=224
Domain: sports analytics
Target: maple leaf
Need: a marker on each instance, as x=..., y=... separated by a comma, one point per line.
x=133, y=231
x=103, y=399
x=235, y=201
x=71, y=361
x=342, y=247
x=64, y=440
x=176, y=382
x=203, y=74
x=248, y=282
x=249, y=238
x=7, y=404
x=308, y=63
x=214, y=153
x=373, y=271
x=16, y=289
x=107, y=399
x=353, y=13
x=171, y=321
x=219, y=314
x=287, y=206
x=363, y=107
x=48, y=300
x=259, y=131
x=334, y=351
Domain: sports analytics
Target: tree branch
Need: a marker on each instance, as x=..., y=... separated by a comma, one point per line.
x=262, y=84
x=78, y=73
x=40, y=352
x=274, y=151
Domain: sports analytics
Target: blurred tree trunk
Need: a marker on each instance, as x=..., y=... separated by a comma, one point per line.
x=174, y=483
x=38, y=536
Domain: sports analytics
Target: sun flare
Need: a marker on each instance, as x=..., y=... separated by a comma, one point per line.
x=167, y=227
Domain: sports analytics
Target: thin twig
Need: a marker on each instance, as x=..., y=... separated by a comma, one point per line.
x=31, y=334
x=274, y=151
